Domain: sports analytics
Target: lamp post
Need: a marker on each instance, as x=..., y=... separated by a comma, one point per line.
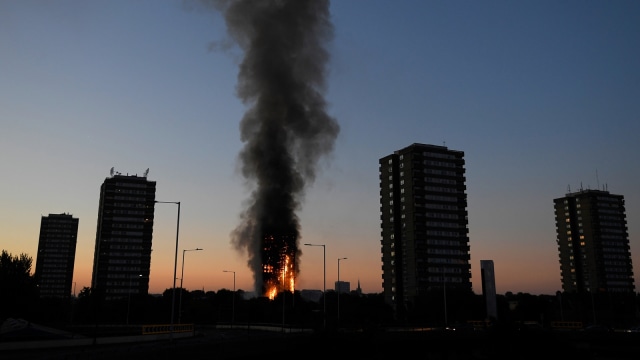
x=324, y=286
x=175, y=263
x=339, y=286
x=233, y=297
x=181, y=289
x=129, y=297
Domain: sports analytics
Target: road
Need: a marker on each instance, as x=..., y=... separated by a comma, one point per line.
x=244, y=344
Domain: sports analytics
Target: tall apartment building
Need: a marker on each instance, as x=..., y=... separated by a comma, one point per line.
x=122, y=256
x=593, y=242
x=424, y=225
x=56, y=255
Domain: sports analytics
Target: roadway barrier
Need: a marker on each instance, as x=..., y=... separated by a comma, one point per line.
x=166, y=329
x=567, y=325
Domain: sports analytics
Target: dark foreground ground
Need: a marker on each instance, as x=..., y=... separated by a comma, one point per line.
x=244, y=344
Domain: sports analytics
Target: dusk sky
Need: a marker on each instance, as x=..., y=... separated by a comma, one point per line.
x=543, y=97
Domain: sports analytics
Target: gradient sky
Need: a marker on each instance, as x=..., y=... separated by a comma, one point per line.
x=542, y=96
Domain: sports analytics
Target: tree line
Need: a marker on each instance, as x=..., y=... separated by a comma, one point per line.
x=20, y=299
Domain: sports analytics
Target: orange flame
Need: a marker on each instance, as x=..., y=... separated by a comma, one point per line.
x=286, y=280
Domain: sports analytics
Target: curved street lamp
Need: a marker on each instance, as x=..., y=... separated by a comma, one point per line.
x=233, y=297
x=175, y=264
x=181, y=289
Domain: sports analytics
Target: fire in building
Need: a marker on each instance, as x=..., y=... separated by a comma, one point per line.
x=278, y=264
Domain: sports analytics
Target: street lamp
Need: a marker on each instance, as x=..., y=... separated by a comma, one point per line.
x=175, y=262
x=233, y=297
x=181, y=289
x=129, y=297
x=324, y=286
x=339, y=286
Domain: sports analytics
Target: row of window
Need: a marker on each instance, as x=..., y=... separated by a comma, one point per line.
x=113, y=271
x=439, y=198
x=54, y=272
x=136, y=240
x=123, y=261
x=442, y=189
x=53, y=254
x=128, y=212
x=440, y=206
x=438, y=163
x=438, y=172
x=61, y=244
x=438, y=155
x=452, y=261
x=445, y=233
x=131, y=191
x=59, y=229
x=439, y=279
x=126, y=254
x=129, y=205
x=452, y=225
x=116, y=225
x=51, y=281
x=445, y=251
x=130, y=219
x=121, y=184
x=128, y=233
x=443, y=242
x=441, y=216
x=613, y=256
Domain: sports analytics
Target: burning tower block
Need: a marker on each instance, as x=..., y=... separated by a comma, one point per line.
x=278, y=264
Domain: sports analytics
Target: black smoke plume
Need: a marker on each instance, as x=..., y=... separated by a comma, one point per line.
x=286, y=129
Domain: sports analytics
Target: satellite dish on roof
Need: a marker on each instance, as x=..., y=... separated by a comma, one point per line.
x=111, y=172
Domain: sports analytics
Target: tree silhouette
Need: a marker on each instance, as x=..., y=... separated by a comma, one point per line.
x=18, y=290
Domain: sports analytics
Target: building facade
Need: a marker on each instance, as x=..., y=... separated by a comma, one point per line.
x=122, y=256
x=56, y=255
x=489, y=289
x=424, y=225
x=593, y=242
x=342, y=287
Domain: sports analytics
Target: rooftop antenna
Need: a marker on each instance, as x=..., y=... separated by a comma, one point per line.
x=111, y=172
x=146, y=172
x=597, y=181
x=568, y=188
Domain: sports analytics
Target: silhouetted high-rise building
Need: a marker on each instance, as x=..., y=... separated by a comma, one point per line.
x=593, y=242
x=122, y=257
x=56, y=255
x=489, y=288
x=423, y=206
